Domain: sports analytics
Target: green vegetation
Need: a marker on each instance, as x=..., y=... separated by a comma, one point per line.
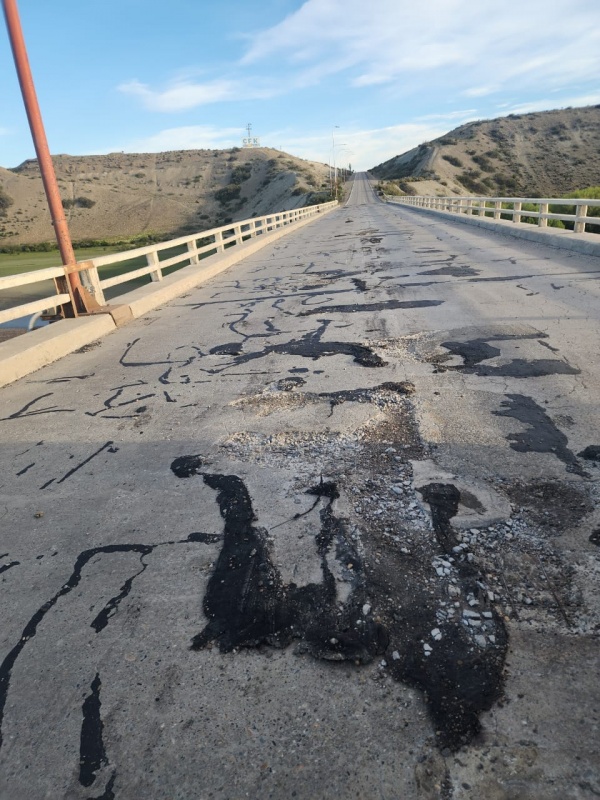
x=552, y=223
x=470, y=180
x=483, y=163
x=15, y=263
x=5, y=201
x=591, y=193
x=456, y=162
x=389, y=187
x=117, y=243
x=241, y=173
x=228, y=193
x=79, y=202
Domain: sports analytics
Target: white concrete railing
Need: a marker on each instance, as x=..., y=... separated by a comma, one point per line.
x=193, y=248
x=502, y=207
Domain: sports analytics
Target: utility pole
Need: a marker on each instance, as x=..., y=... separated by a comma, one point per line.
x=82, y=300
x=334, y=186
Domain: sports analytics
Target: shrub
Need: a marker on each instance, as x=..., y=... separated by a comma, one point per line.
x=241, y=173
x=482, y=162
x=228, y=193
x=78, y=202
x=552, y=223
x=590, y=193
x=5, y=201
x=456, y=162
x=470, y=181
x=389, y=187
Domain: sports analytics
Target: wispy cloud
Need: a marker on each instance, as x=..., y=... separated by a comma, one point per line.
x=545, y=103
x=184, y=94
x=387, y=40
x=189, y=137
x=180, y=95
x=366, y=147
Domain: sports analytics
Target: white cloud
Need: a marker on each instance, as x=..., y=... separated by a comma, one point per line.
x=364, y=148
x=481, y=91
x=184, y=94
x=189, y=137
x=385, y=41
x=180, y=95
x=545, y=104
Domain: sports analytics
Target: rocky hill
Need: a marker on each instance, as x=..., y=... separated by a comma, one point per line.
x=544, y=154
x=128, y=194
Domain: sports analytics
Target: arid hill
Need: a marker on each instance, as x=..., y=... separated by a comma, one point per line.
x=128, y=194
x=544, y=154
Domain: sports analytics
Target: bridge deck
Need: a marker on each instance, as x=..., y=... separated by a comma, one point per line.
x=304, y=531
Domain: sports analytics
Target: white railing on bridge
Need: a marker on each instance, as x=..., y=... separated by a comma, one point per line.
x=515, y=208
x=192, y=249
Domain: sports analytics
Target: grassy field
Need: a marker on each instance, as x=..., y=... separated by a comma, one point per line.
x=14, y=264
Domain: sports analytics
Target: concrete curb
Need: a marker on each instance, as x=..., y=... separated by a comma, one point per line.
x=584, y=243
x=25, y=354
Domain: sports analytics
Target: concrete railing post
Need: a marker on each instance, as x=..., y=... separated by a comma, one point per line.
x=497, y=209
x=219, y=241
x=191, y=246
x=580, y=214
x=88, y=274
x=153, y=261
x=542, y=221
x=517, y=209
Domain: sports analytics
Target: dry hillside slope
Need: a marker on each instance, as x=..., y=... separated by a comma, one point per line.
x=128, y=194
x=544, y=154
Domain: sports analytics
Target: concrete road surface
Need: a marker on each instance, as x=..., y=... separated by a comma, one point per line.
x=327, y=527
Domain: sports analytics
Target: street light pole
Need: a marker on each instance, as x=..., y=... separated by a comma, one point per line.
x=334, y=184
x=61, y=229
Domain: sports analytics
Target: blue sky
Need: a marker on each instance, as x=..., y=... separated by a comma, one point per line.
x=147, y=76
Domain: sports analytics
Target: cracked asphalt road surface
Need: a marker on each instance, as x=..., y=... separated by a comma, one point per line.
x=325, y=527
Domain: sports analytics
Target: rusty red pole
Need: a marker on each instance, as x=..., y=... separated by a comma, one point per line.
x=61, y=229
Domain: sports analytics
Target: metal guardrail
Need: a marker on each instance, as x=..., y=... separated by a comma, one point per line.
x=508, y=207
x=193, y=249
